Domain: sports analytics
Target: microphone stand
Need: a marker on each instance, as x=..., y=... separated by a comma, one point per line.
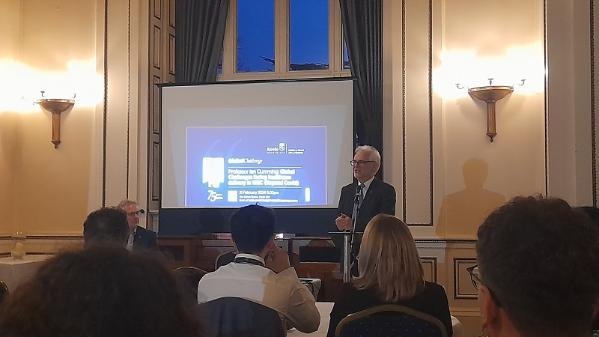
x=350, y=256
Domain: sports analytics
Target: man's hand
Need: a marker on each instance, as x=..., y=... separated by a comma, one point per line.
x=277, y=260
x=343, y=222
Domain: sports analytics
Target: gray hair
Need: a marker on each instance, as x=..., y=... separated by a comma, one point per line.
x=371, y=149
x=126, y=203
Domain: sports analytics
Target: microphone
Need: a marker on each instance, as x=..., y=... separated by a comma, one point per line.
x=357, y=203
x=359, y=195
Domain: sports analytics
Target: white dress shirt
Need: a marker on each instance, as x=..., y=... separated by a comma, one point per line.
x=366, y=186
x=282, y=292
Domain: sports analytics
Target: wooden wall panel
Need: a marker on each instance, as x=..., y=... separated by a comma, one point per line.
x=162, y=59
x=171, y=54
x=462, y=286
x=156, y=47
x=155, y=116
x=429, y=266
x=156, y=168
x=157, y=6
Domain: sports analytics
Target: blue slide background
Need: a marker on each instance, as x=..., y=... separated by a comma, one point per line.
x=252, y=143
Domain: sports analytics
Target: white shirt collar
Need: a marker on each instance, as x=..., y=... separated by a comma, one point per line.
x=250, y=256
x=367, y=182
x=366, y=185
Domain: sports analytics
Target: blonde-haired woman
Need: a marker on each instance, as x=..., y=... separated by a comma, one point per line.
x=390, y=273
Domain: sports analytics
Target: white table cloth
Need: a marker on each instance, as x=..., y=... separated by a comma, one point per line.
x=324, y=308
x=16, y=271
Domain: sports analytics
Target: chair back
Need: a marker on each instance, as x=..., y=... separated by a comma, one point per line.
x=188, y=278
x=390, y=320
x=3, y=290
x=224, y=258
x=235, y=317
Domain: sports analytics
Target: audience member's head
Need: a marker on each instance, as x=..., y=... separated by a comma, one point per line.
x=388, y=260
x=106, y=225
x=133, y=212
x=252, y=228
x=591, y=212
x=98, y=292
x=538, y=261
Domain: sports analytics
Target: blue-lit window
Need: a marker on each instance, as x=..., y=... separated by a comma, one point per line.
x=219, y=67
x=346, y=64
x=255, y=35
x=308, y=34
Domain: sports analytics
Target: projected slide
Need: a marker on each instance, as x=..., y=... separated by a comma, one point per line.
x=271, y=166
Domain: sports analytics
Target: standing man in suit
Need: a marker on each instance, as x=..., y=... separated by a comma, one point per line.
x=375, y=195
x=139, y=237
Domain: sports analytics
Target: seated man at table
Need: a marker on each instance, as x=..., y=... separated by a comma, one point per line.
x=139, y=238
x=261, y=272
x=105, y=225
x=537, y=275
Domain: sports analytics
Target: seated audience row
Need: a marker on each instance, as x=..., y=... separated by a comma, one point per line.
x=537, y=275
x=97, y=292
x=538, y=270
x=390, y=273
x=261, y=272
x=119, y=224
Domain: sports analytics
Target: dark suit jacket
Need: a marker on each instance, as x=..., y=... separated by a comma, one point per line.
x=380, y=198
x=144, y=239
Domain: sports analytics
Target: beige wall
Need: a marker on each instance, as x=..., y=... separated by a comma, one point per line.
x=9, y=26
x=50, y=187
x=480, y=175
x=59, y=46
x=469, y=41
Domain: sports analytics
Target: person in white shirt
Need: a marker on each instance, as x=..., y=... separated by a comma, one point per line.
x=261, y=272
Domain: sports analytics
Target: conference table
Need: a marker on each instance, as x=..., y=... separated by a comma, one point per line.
x=324, y=308
x=16, y=271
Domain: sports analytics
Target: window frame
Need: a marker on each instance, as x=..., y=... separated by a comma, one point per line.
x=281, y=69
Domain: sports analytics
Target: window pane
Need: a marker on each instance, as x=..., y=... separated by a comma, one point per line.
x=255, y=35
x=219, y=67
x=308, y=34
x=346, y=64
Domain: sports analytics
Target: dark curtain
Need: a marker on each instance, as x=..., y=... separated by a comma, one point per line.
x=363, y=31
x=200, y=30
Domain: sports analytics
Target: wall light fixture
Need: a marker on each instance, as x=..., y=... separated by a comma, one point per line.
x=491, y=94
x=56, y=106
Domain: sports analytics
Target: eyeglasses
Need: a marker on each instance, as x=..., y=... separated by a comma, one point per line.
x=476, y=279
x=360, y=162
x=136, y=213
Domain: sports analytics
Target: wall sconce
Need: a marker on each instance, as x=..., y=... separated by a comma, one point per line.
x=56, y=106
x=491, y=94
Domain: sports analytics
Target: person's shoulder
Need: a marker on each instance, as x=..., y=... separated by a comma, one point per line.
x=221, y=271
x=434, y=288
x=348, y=186
x=384, y=184
x=145, y=231
x=349, y=291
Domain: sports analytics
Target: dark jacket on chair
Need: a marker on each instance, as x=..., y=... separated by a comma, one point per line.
x=236, y=317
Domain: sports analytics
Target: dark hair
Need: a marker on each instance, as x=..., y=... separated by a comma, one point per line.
x=591, y=212
x=106, y=224
x=540, y=257
x=251, y=228
x=99, y=291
